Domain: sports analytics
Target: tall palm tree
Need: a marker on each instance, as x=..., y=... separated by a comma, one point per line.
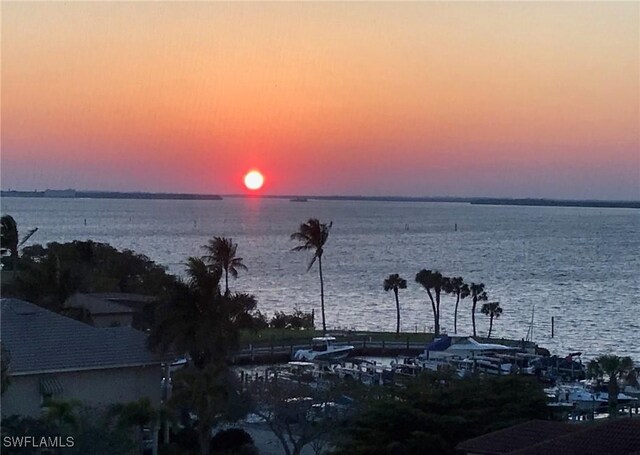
x=313, y=235
x=196, y=318
x=432, y=281
x=395, y=282
x=222, y=253
x=493, y=310
x=478, y=294
x=615, y=368
x=460, y=289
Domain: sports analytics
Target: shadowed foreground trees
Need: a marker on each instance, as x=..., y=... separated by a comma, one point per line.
x=433, y=415
x=198, y=319
x=313, y=235
x=300, y=415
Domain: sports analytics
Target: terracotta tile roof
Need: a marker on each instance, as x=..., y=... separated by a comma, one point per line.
x=516, y=437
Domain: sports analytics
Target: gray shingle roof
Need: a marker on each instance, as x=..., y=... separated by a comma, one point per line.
x=42, y=341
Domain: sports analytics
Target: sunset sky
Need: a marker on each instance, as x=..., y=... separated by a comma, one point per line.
x=451, y=98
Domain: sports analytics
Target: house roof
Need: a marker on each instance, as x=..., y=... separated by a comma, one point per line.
x=97, y=305
x=611, y=437
x=516, y=437
x=43, y=341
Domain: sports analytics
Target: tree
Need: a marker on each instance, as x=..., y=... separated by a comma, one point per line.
x=196, y=318
x=9, y=237
x=136, y=414
x=432, y=281
x=212, y=394
x=297, y=413
x=615, y=368
x=222, y=253
x=460, y=289
x=5, y=360
x=493, y=310
x=478, y=294
x=395, y=282
x=433, y=415
x=313, y=235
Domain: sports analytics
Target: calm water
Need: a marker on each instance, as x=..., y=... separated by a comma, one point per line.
x=580, y=265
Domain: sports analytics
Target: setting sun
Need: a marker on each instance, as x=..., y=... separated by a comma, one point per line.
x=253, y=180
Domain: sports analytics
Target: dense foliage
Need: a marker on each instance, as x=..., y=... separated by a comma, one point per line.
x=434, y=414
x=49, y=275
x=93, y=432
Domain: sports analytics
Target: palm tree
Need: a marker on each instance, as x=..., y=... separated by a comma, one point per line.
x=477, y=295
x=432, y=281
x=615, y=368
x=135, y=414
x=493, y=310
x=394, y=282
x=9, y=239
x=222, y=254
x=313, y=235
x=213, y=394
x=460, y=289
x=196, y=318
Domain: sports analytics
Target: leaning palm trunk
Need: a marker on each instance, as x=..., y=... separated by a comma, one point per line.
x=436, y=322
x=473, y=315
x=324, y=323
x=490, y=326
x=395, y=291
x=455, y=315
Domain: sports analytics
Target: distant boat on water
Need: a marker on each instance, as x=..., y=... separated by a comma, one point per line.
x=299, y=199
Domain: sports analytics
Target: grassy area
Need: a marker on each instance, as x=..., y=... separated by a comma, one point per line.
x=290, y=336
x=281, y=337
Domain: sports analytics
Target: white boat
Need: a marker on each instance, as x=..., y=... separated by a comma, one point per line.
x=323, y=348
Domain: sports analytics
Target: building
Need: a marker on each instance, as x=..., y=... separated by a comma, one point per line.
x=104, y=313
x=55, y=357
x=610, y=437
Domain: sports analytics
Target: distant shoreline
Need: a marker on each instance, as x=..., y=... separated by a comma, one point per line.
x=73, y=194
x=530, y=202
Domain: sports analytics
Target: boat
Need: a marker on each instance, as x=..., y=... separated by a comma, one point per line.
x=462, y=347
x=323, y=349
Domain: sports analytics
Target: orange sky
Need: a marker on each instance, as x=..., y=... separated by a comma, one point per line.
x=496, y=99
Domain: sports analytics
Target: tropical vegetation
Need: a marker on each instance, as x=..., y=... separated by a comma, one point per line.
x=313, y=236
x=478, y=294
x=493, y=310
x=393, y=283
x=433, y=282
x=221, y=253
x=436, y=412
x=460, y=289
x=615, y=368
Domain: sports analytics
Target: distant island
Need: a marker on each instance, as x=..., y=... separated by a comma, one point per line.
x=73, y=194
x=70, y=193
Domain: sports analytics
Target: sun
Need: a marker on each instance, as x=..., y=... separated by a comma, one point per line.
x=253, y=180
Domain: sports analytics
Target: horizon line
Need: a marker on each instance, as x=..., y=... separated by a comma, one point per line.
x=325, y=196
